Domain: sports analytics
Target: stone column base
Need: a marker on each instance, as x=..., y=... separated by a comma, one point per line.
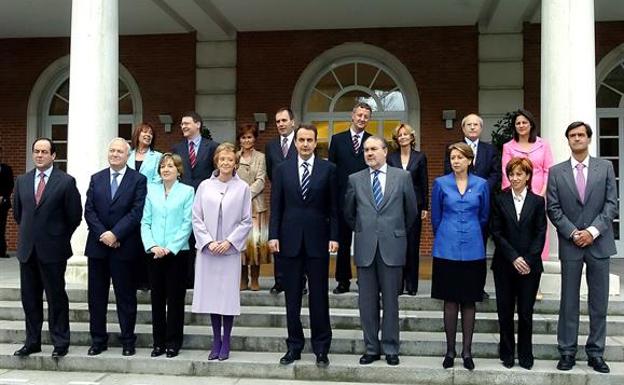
x=551, y=280
x=76, y=272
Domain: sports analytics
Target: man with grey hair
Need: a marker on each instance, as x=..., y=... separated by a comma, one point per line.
x=113, y=212
x=380, y=207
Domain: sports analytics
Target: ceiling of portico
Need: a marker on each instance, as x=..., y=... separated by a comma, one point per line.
x=221, y=19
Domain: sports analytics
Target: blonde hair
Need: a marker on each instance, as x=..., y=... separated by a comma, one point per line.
x=410, y=131
x=225, y=146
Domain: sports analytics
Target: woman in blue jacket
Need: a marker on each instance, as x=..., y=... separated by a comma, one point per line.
x=165, y=230
x=460, y=205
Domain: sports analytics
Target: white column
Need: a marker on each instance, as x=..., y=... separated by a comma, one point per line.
x=568, y=70
x=93, y=98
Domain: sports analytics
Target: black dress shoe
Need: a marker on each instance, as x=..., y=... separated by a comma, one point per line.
x=290, y=357
x=276, y=289
x=304, y=291
x=392, y=359
x=128, y=351
x=59, y=352
x=468, y=363
x=508, y=363
x=157, y=351
x=25, y=351
x=526, y=363
x=172, y=353
x=343, y=287
x=95, y=350
x=599, y=364
x=448, y=362
x=322, y=361
x=566, y=362
x=369, y=359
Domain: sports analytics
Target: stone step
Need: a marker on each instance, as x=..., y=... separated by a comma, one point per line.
x=265, y=339
x=272, y=316
x=347, y=300
x=343, y=368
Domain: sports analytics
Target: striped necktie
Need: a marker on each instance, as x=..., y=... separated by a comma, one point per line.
x=192, y=155
x=377, y=193
x=114, y=184
x=305, y=181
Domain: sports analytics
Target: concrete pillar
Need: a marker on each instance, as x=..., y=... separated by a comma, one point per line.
x=93, y=102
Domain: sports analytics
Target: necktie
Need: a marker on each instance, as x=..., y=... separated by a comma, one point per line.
x=356, y=143
x=305, y=181
x=284, y=147
x=40, y=188
x=377, y=194
x=114, y=184
x=580, y=181
x=474, y=152
x=192, y=155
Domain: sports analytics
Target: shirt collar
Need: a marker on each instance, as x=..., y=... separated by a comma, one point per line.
x=358, y=134
x=196, y=140
x=470, y=142
x=575, y=162
x=46, y=172
x=521, y=197
x=289, y=137
x=383, y=169
x=121, y=172
x=300, y=161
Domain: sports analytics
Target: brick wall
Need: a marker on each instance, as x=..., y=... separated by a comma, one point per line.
x=269, y=64
x=163, y=66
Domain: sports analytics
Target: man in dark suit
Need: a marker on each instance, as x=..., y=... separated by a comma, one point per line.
x=304, y=229
x=345, y=151
x=582, y=203
x=278, y=150
x=486, y=164
x=113, y=212
x=47, y=209
x=380, y=206
x=6, y=189
x=196, y=151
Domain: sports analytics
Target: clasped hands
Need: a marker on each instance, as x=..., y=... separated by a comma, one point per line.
x=274, y=246
x=159, y=252
x=109, y=239
x=219, y=247
x=582, y=238
x=522, y=266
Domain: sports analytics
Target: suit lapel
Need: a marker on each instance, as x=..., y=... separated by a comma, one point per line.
x=527, y=207
x=510, y=207
x=568, y=176
x=30, y=192
x=49, y=187
x=123, y=185
x=391, y=182
x=593, y=177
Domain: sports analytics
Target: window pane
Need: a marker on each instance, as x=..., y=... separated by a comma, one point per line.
x=365, y=74
x=607, y=98
x=616, y=230
x=609, y=147
x=123, y=89
x=383, y=83
x=388, y=127
x=328, y=85
x=63, y=90
x=608, y=126
x=318, y=102
x=125, y=131
x=350, y=99
x=59, y=132
x=61, y=150
x=323, y=130
x=346, y=74
x=393, y=101
x=616, y=78
x=58, y=106
x=125, y=105
x=340, y=126
x=61, y=164
x=616, y=166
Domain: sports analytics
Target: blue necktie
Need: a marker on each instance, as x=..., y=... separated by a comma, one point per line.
x=114, y=184
x=377, y=194
x=305, y=181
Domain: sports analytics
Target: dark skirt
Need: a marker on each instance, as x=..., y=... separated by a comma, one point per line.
x=458, y=281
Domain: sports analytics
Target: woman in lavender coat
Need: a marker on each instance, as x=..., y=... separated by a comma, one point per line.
x=221, y=224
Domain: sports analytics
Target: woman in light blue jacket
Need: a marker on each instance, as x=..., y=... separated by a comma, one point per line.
x=142, y=156
x=165, y=230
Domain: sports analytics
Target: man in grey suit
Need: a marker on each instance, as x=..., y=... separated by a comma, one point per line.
x=582, y=202
x=380, y=207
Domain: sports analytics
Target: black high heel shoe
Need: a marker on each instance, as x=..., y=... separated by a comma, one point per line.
x=468, y=362
x=449, y=360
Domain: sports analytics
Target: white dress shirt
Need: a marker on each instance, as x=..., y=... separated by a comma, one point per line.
x=46, y=177
x=382, y=177
x=310, y=163
x=359, y=135
x=121, y=173
x=518, y=200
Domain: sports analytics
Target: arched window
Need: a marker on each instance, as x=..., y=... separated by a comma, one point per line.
x=610, y=130
x=337, y=89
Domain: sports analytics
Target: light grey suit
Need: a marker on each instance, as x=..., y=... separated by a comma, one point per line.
x=380, y=247
x=568, y=213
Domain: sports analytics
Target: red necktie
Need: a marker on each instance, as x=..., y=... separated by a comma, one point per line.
x=40, y=188
x=192, y=156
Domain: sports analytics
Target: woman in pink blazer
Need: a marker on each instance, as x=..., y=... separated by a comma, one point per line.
x=527, y=144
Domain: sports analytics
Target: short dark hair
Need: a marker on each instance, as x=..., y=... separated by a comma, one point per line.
x=177, y=162
x=291, y=115
x=529, y=116
x=363, y=105
x=142, y=127
x=380, y=139
x=194, y=115
x=246, y=129
x=307, y=126
x=52, y=145
x=579, y=123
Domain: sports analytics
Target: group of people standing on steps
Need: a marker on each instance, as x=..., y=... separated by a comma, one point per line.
x=201, y=209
